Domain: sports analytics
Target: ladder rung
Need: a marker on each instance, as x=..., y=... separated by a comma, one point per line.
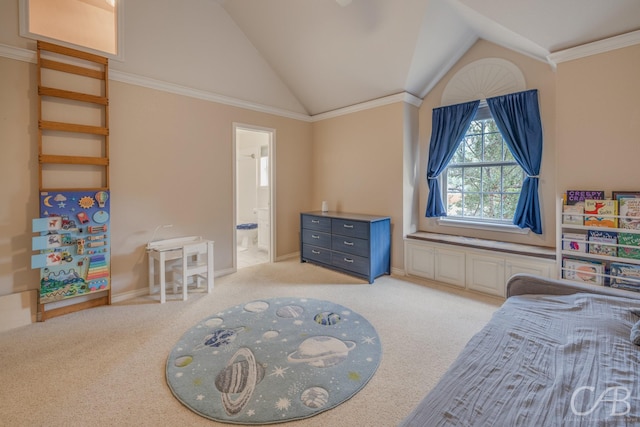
x=77, y=96
x=70, y=127
x=72, y=52
x=61, y=189
x=73, y=160
x=73, y=69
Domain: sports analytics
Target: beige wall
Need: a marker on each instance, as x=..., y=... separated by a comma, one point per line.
x=598, y=110
x=18, y=174
x=538, y=75
x=171, y=163
x=358, y=166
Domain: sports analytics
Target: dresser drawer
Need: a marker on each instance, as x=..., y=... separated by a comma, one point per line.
x=314, y=253
x=350, y=228
x=350, y=262
x=313, y=222
x=350, y=245
x=316, y=238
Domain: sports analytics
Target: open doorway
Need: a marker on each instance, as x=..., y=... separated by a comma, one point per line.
x=254, y=189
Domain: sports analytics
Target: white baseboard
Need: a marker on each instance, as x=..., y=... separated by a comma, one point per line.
x=398, y=271
x=288, y=256
x=124, y=296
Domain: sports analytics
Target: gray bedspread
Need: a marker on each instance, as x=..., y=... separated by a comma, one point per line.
x=543, y=360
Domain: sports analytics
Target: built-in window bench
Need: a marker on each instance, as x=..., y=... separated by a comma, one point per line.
x=477, y=264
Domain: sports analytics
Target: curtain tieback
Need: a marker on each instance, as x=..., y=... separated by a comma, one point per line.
x=533, y=176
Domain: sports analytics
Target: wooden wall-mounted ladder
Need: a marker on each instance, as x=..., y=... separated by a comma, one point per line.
x=93, y=74
x=73, y=160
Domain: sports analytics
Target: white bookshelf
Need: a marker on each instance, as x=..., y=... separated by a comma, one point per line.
x=563, y=229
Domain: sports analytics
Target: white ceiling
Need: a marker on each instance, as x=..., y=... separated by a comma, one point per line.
x=330, y=56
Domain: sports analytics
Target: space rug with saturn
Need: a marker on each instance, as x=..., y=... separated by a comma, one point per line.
x=273, y=360
x=73, y=244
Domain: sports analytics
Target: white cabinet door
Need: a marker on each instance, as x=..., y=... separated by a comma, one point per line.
x=540, y=267
x=419, y=259
x=450, y=267
x=486, y=273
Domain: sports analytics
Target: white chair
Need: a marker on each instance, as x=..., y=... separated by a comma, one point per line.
x=196, y=265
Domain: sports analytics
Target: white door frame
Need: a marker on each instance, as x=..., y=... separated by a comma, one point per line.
x=272, y=188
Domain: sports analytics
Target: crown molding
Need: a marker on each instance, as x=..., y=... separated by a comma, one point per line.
x=27, y=55
x=137, y=80
x=391, y=99
x=601, y=46
x=18, y=54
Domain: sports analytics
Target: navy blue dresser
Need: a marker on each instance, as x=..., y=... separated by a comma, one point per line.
x=355, y=244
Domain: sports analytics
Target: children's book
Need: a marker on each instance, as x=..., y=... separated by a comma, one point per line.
x=597, y=240
x=629, y=239
x=629, y=212
x=625, y=276
x=601, y=213
x=585, y=271
x=573, y=214
x=576, y=196
x=576, y=242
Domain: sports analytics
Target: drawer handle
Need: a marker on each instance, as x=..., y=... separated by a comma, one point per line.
x=315, y=236
x=347, y=225
x=313, y=251
x=349, y=260
x=347, y=243
x=315, y=221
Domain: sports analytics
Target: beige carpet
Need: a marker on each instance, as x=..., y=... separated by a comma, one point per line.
x=106, y=366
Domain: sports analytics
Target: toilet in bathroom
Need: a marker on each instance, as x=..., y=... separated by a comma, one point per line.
x=248, y=234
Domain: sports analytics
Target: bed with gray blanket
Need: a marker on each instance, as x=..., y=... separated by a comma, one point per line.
x=554, y=354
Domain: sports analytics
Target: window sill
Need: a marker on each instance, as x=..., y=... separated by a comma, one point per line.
x=477, y=225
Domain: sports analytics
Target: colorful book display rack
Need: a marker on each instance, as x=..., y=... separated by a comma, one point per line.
x=600, y=238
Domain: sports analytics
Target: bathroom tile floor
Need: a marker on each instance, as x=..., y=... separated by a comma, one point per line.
x=251, y=256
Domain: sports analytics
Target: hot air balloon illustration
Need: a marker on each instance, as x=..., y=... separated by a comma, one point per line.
x=101, y=198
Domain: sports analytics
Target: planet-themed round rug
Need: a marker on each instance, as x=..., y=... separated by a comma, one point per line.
x=273, y=360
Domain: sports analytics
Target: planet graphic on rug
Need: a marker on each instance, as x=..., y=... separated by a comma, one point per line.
x=269, y=335
x=213, y=322
x=256, y=306
x=322, y=351
x=315, y=397
x=327, y=318
x=241, y=375
x=290, y=311
x=183, y=361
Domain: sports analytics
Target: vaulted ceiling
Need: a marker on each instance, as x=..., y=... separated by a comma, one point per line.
x=332, y=56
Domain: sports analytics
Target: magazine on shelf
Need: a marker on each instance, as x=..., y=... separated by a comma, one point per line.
x=574, y=197
x=601, y=213
x=585, y=271
x=597, y=240
x=625, y=276
x=573, y=214
x=629, y=212
x=628, y=239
